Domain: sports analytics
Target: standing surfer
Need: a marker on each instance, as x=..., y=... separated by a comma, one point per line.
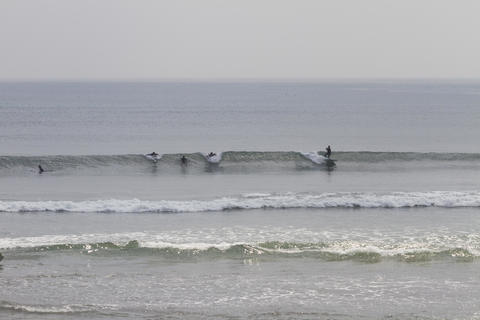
x=329, y=151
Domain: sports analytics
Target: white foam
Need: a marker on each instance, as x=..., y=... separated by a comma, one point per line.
x=448, y=199
x=146, y=240
x=315, y=157
x=256, y=195
x=45, y=309
x=201, y=240
x=213, y=159
x=286, y=239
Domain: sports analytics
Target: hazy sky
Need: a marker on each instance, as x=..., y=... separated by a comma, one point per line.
x=215, y=39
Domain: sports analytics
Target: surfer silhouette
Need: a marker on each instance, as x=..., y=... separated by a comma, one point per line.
x=183, y=159
x=329, y=151
x=153, y=154
x=212, y=154
x=40, y=169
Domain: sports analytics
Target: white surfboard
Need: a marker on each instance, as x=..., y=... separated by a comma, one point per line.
x=154, y=158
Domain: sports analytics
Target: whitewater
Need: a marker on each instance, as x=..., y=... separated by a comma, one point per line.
x=445, y=199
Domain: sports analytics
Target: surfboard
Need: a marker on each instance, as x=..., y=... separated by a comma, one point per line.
x=154, y=158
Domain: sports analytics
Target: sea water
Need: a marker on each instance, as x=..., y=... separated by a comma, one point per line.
x=269, y=230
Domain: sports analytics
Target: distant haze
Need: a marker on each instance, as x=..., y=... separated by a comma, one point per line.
x=261, y=39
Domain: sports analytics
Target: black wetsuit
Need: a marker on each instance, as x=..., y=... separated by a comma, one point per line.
x=329, y=152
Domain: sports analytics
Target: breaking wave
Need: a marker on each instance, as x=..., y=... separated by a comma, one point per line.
x=61, y=310
x=328, y=251
x=226, y=160
x=38, y=309
x=446, y=199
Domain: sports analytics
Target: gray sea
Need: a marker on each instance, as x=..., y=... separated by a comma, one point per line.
x=268, y=228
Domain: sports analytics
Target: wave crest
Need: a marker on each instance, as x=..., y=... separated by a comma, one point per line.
x=447, y=199
x=334, y=251
x=233, y=160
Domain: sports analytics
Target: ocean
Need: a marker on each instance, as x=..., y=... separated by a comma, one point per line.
x=268, y=228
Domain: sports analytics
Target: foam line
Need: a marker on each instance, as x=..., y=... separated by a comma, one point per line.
x=447, y=199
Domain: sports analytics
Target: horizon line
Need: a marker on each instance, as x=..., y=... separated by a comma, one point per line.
x=242, y=80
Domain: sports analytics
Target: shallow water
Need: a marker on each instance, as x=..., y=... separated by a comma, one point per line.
x=339, y=263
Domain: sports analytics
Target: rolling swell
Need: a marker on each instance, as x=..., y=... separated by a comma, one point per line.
x=445, y=199
x=370, y=156
x=229, y=159
x=75, y=161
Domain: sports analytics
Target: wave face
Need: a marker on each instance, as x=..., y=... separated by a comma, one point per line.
x=445, y=199
x=369, y=156
x=230, y=160
x=75, y=161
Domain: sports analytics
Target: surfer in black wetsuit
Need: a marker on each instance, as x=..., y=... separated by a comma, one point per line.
x=212, y=154
x=329, y=152
x=153, y=154
x=183, y=159
x=40, y=169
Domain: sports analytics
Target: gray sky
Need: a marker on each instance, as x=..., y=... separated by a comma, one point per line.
x=222, y=39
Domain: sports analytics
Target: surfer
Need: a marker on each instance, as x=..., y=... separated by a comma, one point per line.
x=212, y=154
x=329, y=151
x=183, y=159
x=153, y=154
x=40, y=169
